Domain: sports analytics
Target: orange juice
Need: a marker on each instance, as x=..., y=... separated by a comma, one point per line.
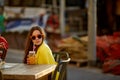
x=31, y=57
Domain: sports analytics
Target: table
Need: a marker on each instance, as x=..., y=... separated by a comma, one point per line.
x=20, y=71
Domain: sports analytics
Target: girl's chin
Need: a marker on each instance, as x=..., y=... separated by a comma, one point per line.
x=37, y=43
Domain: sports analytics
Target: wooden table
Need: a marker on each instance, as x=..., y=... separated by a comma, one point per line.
x=20, y=71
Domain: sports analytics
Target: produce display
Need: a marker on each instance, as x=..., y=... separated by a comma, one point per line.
x=75, y=46
x=108, y=52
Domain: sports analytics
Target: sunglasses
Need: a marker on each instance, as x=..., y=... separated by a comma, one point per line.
x=38, y=36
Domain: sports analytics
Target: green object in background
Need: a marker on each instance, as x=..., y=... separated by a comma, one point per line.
x=2, y=27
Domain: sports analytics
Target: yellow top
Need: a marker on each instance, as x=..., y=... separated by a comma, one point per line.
x=44, y=55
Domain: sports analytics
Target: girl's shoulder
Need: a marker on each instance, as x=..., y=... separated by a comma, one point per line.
x=44, y=46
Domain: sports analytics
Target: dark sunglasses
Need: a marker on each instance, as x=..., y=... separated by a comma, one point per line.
x=38, y=36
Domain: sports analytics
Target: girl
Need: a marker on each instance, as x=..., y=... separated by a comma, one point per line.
x=35, y=42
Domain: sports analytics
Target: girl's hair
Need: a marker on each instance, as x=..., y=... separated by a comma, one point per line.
x=29, y=43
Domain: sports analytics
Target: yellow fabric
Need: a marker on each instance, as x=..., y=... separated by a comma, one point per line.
x=44, y=55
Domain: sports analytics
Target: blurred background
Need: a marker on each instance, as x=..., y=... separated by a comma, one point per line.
x=60, y=21
x=89, y=30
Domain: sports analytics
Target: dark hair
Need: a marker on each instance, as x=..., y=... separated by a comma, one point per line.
x=29, y=43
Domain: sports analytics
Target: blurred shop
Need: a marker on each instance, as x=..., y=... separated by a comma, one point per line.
x=75, y=12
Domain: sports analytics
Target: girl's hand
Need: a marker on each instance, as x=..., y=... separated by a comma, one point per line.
x=31, y=60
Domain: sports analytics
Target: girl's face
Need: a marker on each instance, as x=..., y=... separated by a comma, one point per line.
x=36, y=37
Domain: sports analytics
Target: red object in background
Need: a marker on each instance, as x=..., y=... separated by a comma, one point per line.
x=3, y=42
x=114, y=51
x=53, y=21
x=116, y=34
x=3, y=47
x=108, y=46
x=102, y=44
x=112, y=66
x=108, y=52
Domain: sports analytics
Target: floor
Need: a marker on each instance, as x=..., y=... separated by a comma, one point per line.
x=87, y=73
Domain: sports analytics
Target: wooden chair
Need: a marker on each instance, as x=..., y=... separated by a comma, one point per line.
x=62, y=58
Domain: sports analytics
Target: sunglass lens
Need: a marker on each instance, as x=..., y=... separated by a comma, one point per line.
x=39, y=36
x=33, y=37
